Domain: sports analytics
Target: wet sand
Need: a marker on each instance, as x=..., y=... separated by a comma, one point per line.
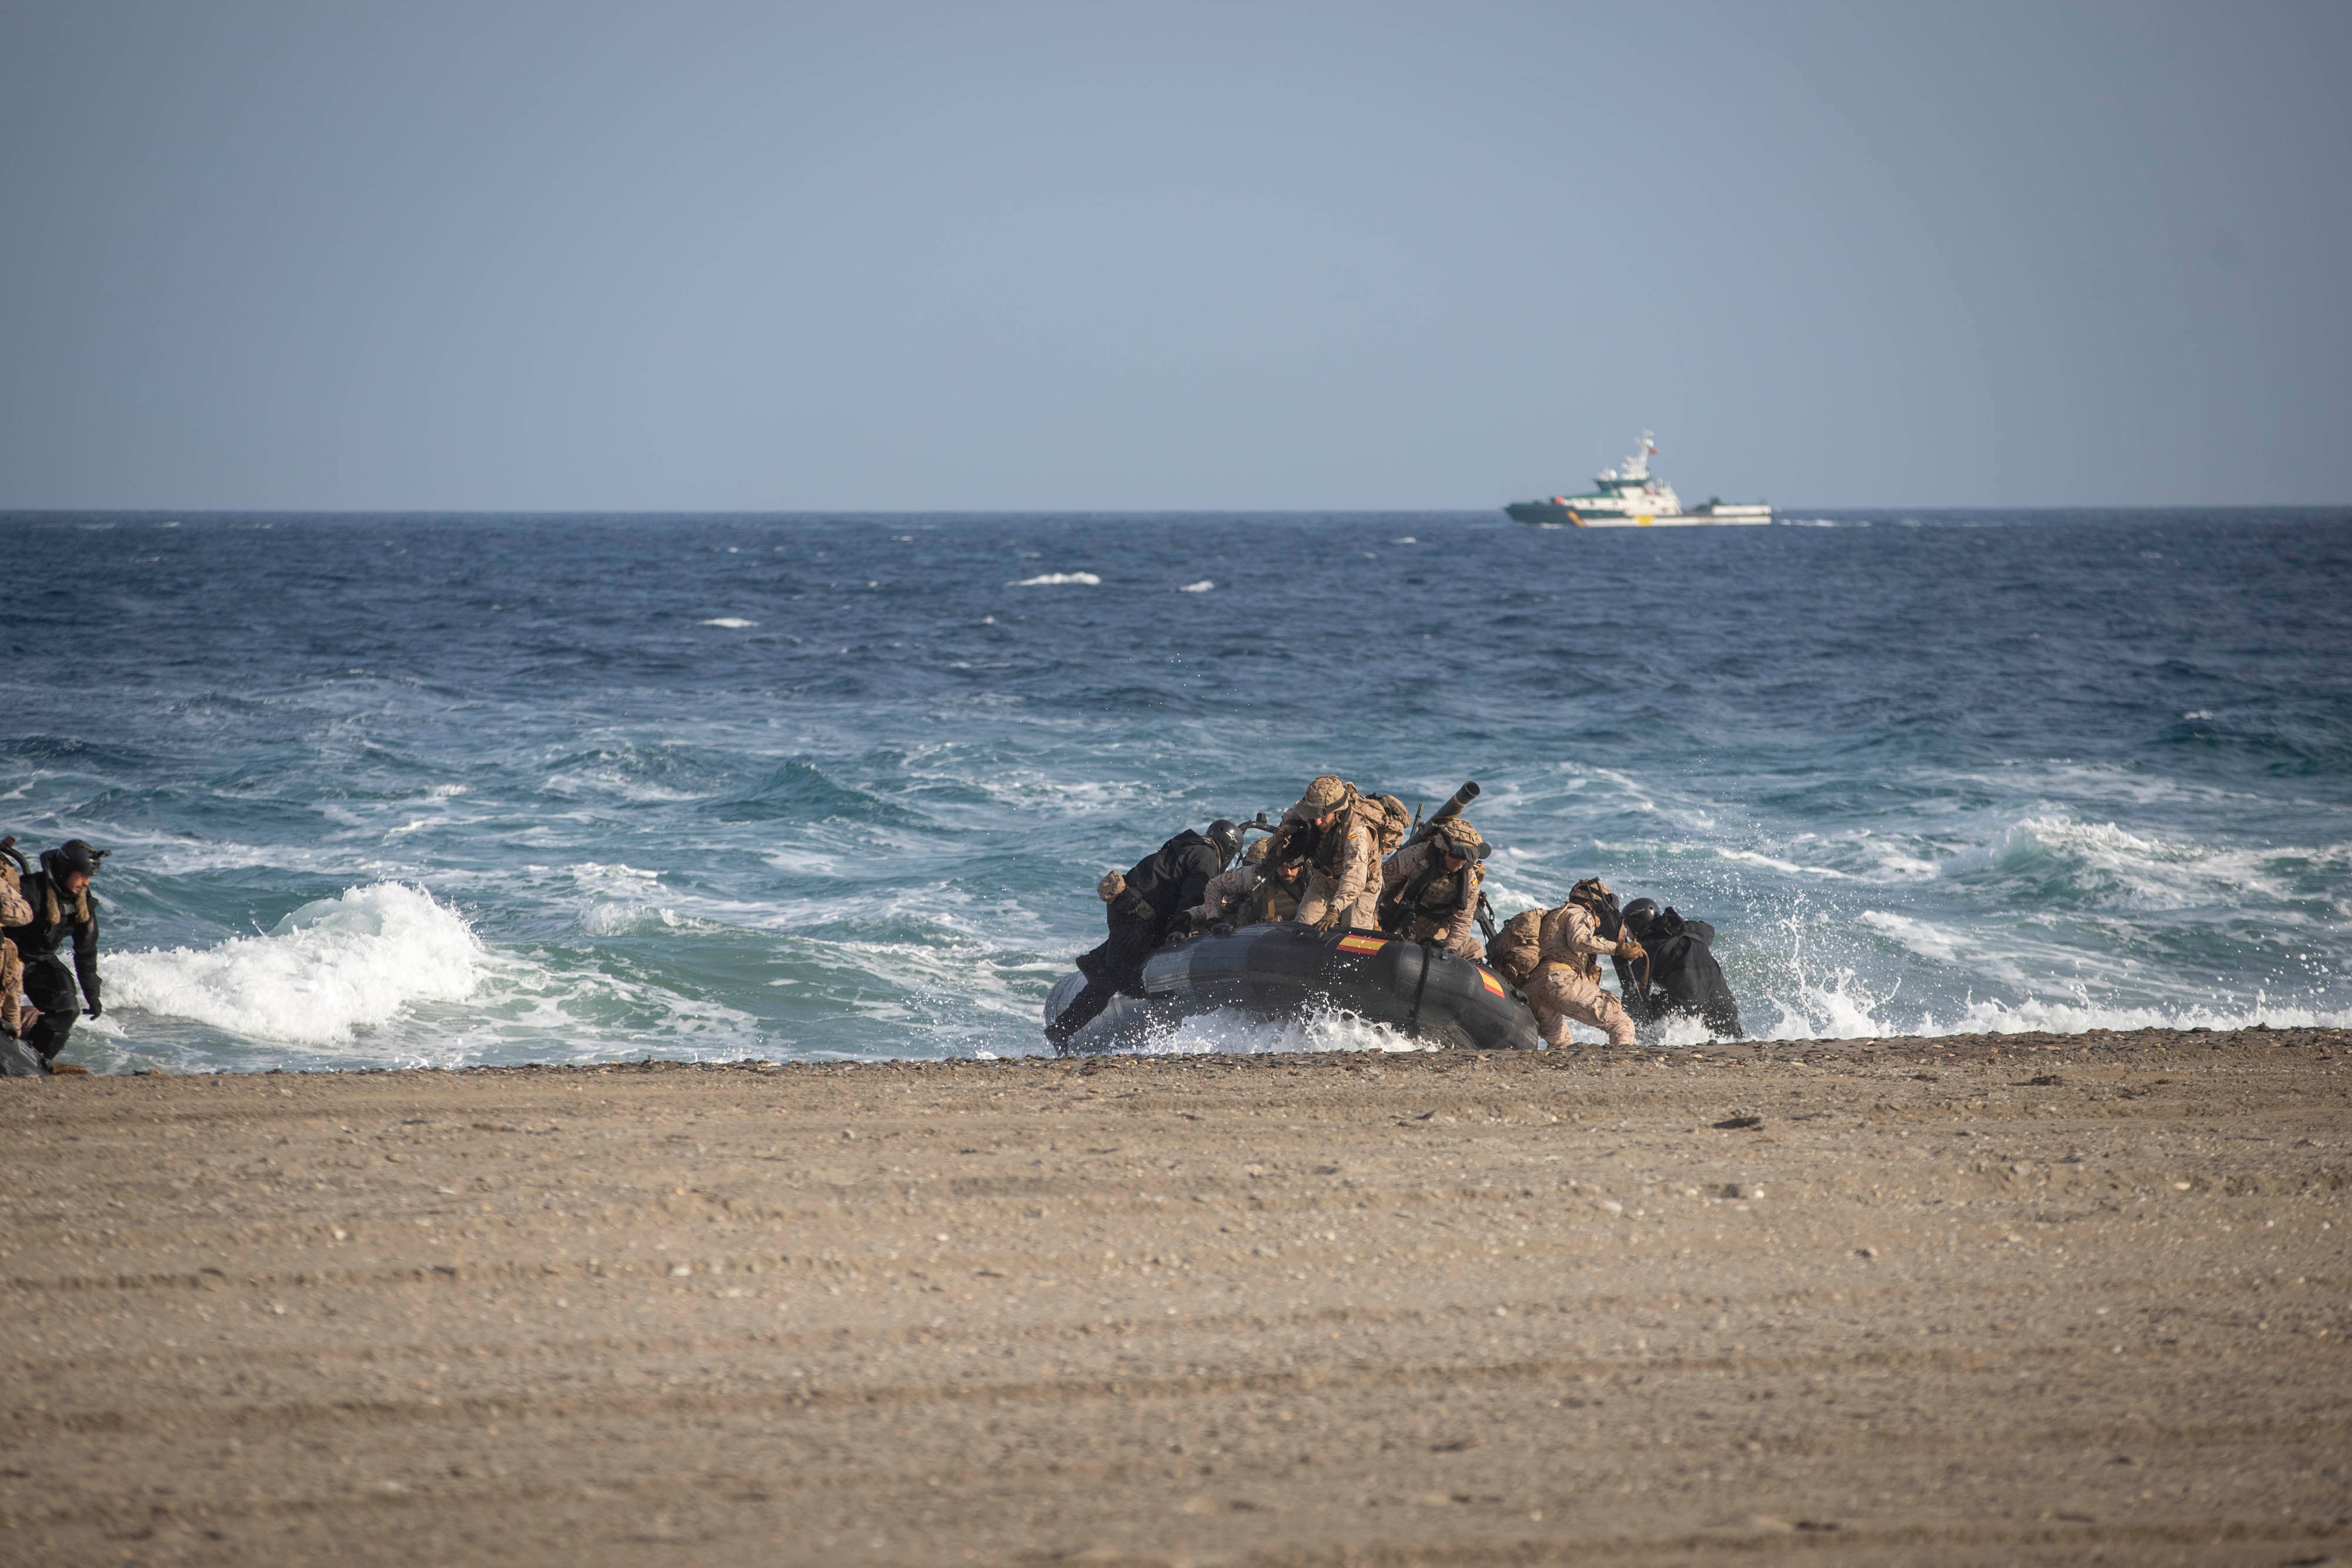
x=2021, y=1298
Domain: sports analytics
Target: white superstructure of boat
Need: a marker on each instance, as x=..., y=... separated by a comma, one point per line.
x=1630, y=496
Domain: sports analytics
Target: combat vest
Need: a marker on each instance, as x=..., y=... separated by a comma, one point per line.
x=1332, y=850
x=1269, y=900
x=1437, y=893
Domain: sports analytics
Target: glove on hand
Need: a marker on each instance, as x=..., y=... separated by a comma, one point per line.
x=94, y=1009
x=1329, y=920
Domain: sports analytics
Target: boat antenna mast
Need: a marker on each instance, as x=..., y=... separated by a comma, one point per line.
x=1637, y=466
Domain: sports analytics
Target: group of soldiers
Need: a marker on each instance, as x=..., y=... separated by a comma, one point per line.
x=1343, y=859
x=40, y=912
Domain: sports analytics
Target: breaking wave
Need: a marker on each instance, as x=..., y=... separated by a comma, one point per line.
x=2058, y=859
x=331, y=967
x=1061, y=579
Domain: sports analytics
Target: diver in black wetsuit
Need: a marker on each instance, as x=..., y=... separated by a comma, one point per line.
x=62, y=905
x=1143, y=906
x=1678, y=974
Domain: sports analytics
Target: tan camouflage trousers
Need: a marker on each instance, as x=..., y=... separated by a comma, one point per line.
x=1558, y=993
x=12, y=986
x=1364, y=915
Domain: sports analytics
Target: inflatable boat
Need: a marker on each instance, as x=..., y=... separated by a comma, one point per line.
x=1286, y=970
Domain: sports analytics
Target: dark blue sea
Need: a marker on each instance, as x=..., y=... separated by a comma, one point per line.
x=436, y=790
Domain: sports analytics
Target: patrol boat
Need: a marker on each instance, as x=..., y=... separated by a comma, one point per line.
x=1630, y=496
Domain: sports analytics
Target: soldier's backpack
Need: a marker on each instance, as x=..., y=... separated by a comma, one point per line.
x=1514, y=949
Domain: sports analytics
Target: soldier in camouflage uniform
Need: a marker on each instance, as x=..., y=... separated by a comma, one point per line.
x=1250, y=893
x=1567, y=981
x=1277, y=894
x=16, y=1014
x=1430, y=890
x=1343, y=880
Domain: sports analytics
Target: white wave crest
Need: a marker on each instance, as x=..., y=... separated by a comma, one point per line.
x=1917, y=935
x=731, y=622
x=2104, y=861
x=1061, y=579
x=332, y=967
x=1204, y=586
x=1751, y=857
x=1807, y=990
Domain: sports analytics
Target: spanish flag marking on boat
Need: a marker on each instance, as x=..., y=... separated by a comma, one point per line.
x=1362, y=943
x=1491, y=983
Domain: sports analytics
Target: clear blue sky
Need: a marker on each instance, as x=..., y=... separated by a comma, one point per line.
x=970, y=256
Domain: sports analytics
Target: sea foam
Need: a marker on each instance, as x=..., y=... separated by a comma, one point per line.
x=332, y=967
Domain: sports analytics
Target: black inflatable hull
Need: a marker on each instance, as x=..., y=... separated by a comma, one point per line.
x=1286, y=970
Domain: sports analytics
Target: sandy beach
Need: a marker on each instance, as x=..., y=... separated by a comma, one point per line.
x=1970, y=1299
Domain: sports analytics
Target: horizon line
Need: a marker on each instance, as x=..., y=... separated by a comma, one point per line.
x=993, y=512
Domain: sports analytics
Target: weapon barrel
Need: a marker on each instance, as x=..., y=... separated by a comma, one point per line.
x=1448, y=811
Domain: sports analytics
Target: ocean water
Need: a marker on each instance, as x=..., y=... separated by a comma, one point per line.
x=439, y=790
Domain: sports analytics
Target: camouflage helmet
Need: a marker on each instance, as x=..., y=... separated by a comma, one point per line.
x=1327, y=792
x=1460, y=840
x=1590, y=893
x=1399, y=819
x=1256, y=852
